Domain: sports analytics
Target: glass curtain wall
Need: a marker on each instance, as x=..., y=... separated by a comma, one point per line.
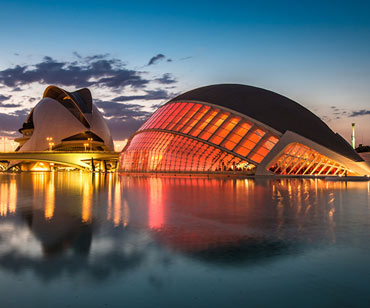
x=188, y=136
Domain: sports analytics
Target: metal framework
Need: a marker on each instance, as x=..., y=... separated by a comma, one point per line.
x=195, y=136
x=298, y=159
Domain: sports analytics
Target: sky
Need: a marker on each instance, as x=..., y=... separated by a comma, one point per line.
x=136, y=55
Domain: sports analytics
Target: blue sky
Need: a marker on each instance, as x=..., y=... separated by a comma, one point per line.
x=315, y=52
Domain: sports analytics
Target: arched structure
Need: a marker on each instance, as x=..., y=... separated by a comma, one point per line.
x=238, y=128
x=70, y=119
x=64, y=122
x=88, y=161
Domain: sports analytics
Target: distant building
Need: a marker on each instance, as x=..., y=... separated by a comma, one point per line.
x=238, y=128
x=65, y=121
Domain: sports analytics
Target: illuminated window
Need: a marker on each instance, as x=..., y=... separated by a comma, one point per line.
x=228, y=142
x=160, y=151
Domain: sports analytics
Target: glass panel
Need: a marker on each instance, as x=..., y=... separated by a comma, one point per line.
x=224, y=130
x=157, y=123
x=192, y=122
x=160, y=151
x=213, y=125
x=204, y=122
x=187, y=117
x=172, y=115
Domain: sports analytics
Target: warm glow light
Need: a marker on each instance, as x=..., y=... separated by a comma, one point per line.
x=50, y=198
x=40, y=166
x=12, y=196
x=126, y=213
x=299, y=159
x=8, y=145
x=8, y=198
x=117, y=204
x=174, y=149
x=109, y=209
x=156, y=206
x=119, y=144
x=86, y=202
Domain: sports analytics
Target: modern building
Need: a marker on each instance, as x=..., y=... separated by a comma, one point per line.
x=67, y=120
x=62, y=122
x=238, y=128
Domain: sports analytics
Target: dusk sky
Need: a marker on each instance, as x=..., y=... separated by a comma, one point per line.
x=136, y=55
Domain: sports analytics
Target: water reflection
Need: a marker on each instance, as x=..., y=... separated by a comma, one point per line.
x=8, y=197
x=101, y=224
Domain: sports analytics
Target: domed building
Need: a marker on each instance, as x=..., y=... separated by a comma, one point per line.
x=238, y=128
x=65, y=121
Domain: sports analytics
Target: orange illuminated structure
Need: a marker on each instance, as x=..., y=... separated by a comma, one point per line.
x=238, y=128
x=196, y=137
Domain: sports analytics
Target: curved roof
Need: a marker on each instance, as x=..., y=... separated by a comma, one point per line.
x=78, y=103
x=275, y=110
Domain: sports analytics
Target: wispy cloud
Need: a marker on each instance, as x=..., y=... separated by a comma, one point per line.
x=359, y=113
x=149, y=95
x=166, y=79
x=154, y=60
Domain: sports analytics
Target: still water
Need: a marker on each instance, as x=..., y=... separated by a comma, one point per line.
x=83, y=240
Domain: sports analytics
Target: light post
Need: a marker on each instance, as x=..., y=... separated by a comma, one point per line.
x=85, y=145
x=49, y=140
x=90, y=141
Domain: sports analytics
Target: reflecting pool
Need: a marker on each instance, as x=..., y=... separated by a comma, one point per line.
x=85, y=240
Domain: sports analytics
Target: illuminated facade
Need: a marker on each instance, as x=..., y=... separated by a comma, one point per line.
x=237, y=128
x=63, y=122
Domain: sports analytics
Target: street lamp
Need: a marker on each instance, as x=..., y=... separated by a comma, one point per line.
x=85, y=145
x=90, y=141
x=49, y=140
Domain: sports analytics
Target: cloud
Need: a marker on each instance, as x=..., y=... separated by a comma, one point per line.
x=109, y=75
x=123, y=111
x=154, y=60
x=124, y=128
x=123, y=119
x=12, y=122
x=186, y=58
x=166, y=79
x=150, y=95
x=97, y=70
x=9, y=105
x=359, y=113
x=4, y=98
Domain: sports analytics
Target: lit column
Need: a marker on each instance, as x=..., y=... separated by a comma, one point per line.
x=85, y=145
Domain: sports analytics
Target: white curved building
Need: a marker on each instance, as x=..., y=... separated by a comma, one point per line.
x=65, y=121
